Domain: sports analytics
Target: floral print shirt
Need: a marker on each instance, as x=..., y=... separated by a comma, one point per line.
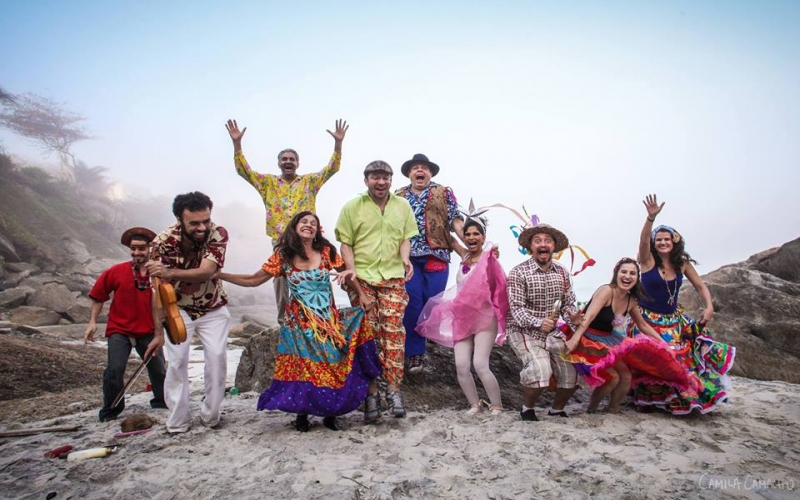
x=283, y=199
x=195, y=298
x=419, y=243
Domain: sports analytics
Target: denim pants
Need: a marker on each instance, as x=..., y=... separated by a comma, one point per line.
x=119, y=350
x=421, y=287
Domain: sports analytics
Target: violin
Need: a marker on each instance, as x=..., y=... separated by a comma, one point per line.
x=167, y=305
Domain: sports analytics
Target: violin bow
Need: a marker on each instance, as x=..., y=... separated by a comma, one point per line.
x=130, y=382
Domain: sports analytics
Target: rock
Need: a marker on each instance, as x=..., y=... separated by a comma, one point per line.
x=10, y=280
x=7, y=249
x=34, y=316
x=758, y=312
x=137, y=422
x=246, y=330
x=259, y=320
x=53, y=296
x=13, y=297
x=436, y=388
x=39, y=280
x=19, y=267
x=76, y=251
x=81, y=311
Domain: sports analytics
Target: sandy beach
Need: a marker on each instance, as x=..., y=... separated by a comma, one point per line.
x=748, y=449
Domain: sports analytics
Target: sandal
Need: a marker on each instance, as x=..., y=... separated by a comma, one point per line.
x=474, y=409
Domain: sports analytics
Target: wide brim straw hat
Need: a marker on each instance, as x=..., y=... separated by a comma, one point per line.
x=560, y=239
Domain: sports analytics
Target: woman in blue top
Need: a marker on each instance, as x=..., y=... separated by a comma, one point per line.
x=664, y=263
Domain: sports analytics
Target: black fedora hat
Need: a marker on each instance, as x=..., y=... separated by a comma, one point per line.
x=419, y=158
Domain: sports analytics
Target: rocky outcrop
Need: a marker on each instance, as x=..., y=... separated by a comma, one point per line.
x=53, y=296
x=34, y=316
x=14, y=297
x=757, y=305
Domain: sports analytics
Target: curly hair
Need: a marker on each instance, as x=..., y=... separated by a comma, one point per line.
x=677, y=256
x=193, y=202
x=290, y=246
x=637, y=292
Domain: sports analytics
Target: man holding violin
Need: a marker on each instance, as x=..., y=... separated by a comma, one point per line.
x=186, y=255
x=130, y=321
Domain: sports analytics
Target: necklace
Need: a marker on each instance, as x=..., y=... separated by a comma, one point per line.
x=673, y=294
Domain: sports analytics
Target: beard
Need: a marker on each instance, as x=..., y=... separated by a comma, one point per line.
x=191, y=237
x=543, y=259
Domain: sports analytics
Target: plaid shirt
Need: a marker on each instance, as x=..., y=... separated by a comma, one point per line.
x=532, y=292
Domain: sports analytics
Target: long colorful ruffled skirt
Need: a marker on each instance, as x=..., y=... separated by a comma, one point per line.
x=651, y=362
x=322, y=376
x=699, y=353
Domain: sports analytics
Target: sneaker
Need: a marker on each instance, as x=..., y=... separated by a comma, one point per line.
x=560, y=413
x=395, y=402
x=301, y=423
x=529, y=415
x=416, y=364
x=372, y=409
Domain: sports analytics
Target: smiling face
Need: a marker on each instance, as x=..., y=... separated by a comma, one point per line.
x=473, y=239
x=420, y=175
x=138, y=249
x=196, y=225
x=288, y=164
x=378, y=184
x=542, y=247
x=627, y=276
x=307, y=227
x=663, y=242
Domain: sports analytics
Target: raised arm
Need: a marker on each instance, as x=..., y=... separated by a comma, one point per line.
x=697, y=282
x=645, y=258
x=338, y=135
x=249, y=280
x=236, y=135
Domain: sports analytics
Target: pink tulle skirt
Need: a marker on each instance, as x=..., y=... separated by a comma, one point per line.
x=478, y=304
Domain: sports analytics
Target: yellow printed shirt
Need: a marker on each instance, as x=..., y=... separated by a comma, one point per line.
x=283, y=199
x=375, y=236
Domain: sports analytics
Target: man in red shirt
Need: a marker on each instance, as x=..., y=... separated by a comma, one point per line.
x=130, y=321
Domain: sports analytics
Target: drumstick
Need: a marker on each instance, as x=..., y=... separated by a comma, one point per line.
x=130, y=382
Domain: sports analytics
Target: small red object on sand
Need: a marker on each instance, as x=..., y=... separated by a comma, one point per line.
x=58, y=451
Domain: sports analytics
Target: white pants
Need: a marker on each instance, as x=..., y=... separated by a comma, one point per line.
x=212, y=329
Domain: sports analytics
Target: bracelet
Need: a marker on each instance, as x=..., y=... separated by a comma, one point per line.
x=651, y=220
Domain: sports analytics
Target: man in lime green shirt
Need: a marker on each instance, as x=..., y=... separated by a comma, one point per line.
x=286, y=194
x=375, y=230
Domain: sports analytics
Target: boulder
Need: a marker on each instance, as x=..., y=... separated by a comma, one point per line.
x=34, y=316
x=246, y=330
x=53, y=296
x=37, y=281
x=258, y=320
x=80, y=311
x=19, y=267
x=10, y=280
x=13, y=297
x=76, y=251
x=758, y=312
x=7, y=249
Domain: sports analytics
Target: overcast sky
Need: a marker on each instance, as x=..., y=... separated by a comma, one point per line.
x=576, y=109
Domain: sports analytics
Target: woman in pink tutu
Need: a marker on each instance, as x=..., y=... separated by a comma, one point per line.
x=470, y=316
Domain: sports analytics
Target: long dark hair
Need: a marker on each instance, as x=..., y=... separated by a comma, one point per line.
x=677, y=256
x=637, y=291
x=290, y=246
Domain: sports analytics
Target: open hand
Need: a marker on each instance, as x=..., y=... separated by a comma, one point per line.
x=652, y=206
x=233, y=130
x=338, y=135
x=344, y=277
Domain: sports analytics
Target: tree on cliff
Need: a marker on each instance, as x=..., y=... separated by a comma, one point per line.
x=46, y=123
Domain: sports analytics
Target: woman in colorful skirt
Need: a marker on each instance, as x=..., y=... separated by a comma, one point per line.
x=470, y=316
x=605, y=357
x=326, y=357
x=664, y=263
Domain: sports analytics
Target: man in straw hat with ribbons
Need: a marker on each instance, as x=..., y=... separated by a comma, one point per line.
x=539, y=291
x=130, y=321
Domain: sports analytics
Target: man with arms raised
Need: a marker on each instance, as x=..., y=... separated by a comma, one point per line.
x=187, y=254
x=374, y=230
x=288, y=193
